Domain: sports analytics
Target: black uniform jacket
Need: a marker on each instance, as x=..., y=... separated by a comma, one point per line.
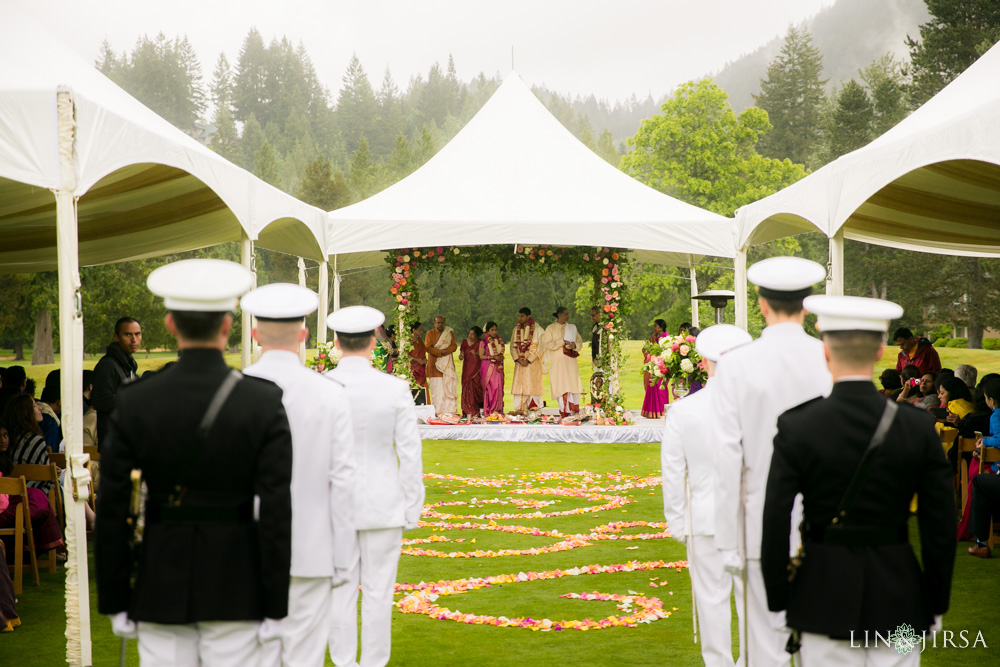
x=214, y=562
x=841, y=588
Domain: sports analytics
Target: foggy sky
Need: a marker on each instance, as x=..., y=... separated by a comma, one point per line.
x=609, y=48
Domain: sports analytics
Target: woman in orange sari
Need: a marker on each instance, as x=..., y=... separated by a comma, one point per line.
x=472, y=384
x=491, y=353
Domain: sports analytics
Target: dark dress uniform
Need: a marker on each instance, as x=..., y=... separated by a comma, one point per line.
x=870, y=580
x=207, y=560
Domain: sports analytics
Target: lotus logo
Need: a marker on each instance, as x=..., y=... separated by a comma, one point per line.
x=904, y=639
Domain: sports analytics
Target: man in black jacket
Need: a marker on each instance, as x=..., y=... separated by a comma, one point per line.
x=114, y=368
x=858, y=573
x=211, y=566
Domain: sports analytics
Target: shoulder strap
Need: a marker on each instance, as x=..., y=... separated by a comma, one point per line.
x=847, y=502
x=201, y=435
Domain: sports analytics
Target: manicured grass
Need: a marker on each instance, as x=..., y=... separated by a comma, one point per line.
x=420, y=640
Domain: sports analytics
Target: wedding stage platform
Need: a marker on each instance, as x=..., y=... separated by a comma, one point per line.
x=644, y=430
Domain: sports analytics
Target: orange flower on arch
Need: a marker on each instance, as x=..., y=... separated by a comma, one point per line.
x=604, y=272
x=607, y=308
x=614, y=255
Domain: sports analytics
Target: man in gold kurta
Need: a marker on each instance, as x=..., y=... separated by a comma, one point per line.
x=526, y=386
x=562, y=356
x=442, y=378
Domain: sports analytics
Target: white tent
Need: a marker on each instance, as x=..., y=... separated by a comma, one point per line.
x=931, y=183
x=514, y=174
x=127, y=185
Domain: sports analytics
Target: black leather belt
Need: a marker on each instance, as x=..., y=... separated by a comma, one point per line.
x=858, y=536
x=184, y=514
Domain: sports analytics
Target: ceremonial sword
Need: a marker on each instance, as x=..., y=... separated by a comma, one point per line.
x=690, y=553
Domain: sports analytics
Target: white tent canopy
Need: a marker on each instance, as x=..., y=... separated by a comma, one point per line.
x=145, y=188
x=931, y=183
x=514, y=174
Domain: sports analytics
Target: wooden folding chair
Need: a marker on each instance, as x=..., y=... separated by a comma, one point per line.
x=964, y=446
x=991, y=455
x=45, y=473
x=16, y=486
x=59, y=460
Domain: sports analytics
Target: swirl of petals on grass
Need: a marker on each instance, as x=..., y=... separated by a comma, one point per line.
x=421, y=598
x=611, y=502
x=591, y=482
x=568, y=542
x=613, y=531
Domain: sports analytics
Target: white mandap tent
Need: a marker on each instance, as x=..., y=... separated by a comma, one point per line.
x=931, y=183
x=514, y=175
x=126, y=185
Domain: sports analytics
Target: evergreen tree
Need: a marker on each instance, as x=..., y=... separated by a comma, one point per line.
x=251, y=75
x=606, y=148
x=425, y=148
x=791, y=95
x=884, y=81
x=321, y=187
x=226, y=140
x=390, y=112
x=265, y=164
x=221, y=88
x=366, y=175
x=108, y=63
x=251, y=142
x=853, y=120
x=357, y=108
x=958, y=33
x=402, y=160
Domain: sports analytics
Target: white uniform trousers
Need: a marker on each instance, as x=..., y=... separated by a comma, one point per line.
x=768, y=636
x=374, y=558
x=713, y=588
x=821, y=651
x=302, y=635
x=209, y=644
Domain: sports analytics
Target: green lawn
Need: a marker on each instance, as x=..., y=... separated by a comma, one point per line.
x=420, y=640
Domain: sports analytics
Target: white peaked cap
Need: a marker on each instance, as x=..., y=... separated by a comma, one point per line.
x=852, y=313
x=280, y=301
x=786, y=274
x=355, y=319
x=201, y=285
x=718, y=339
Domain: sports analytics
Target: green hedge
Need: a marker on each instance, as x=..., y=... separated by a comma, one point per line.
x=991, y=343
x=958, y=342
x=942, y=342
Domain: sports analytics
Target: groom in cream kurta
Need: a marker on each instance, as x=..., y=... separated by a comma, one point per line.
x=442, y=379
x=564, y=370
x=526, y=386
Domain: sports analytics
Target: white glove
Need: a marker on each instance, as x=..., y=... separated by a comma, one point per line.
x=411, y=525
x=731, y=562
x=122, y=626
x=778, y=621
x=938, y=623
x=340, y=577
x=269, y=630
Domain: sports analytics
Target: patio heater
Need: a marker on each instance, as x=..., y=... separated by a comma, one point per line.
x=718, y=298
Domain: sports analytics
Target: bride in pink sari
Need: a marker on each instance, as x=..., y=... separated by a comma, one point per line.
x=491, y=353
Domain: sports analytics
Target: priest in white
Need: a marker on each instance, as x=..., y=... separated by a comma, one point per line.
x=322, y=475
x=689, y=500
x=562, y=343
x=388, y=490
x=753, y=385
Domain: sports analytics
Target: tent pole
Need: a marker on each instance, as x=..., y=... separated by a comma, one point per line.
x=336, y=285
x=740, y=287
x=835, y=267
x=247, y=259
x=302, y=283
x=324, y=301
x=694, y=293
x=77, y=480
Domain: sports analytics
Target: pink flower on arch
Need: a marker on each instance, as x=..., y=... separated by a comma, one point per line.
x=607, y=297
x=684, y=350
x=604, y=280
x=675, y=347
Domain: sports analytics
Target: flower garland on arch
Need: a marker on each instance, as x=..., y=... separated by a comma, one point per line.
x=607, y=267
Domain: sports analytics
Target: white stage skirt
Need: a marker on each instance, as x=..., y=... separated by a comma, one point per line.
x=644, y=430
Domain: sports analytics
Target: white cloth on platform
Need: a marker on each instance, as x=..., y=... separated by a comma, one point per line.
x=304, y=633
x=713, y=590
x=375, y=560
x=820, y=650
x=209, y=644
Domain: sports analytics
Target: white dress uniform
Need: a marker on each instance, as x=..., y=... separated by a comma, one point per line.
x=688, y=442
x=753, y=385
x=322, y=479
x=388, y=496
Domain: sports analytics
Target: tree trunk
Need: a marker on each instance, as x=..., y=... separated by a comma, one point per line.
x=975, y=337
x=18, y=350
x=42, y=351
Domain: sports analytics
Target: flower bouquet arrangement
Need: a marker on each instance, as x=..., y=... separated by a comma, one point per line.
x=674, y=358
x=619, y=416
x=326, y=359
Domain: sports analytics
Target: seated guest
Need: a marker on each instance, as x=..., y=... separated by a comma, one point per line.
x=985, y=497
x=910, y=378
x=891, y=384
x=51, y=405
x=979, y=418
x=927, y=393
x=472, y=384
x=916, y=351
x=967, y=374
x=954, y=396
x=22, y=416
x=43, y=520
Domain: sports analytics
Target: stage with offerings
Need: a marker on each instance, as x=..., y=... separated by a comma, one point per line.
x=644, y=430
